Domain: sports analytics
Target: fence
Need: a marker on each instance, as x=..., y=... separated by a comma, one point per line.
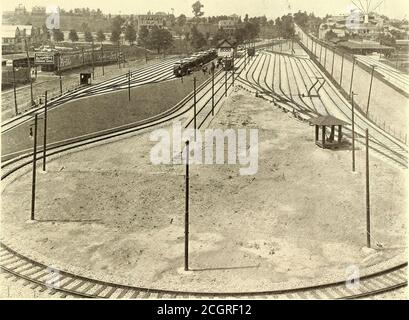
x=372, y=91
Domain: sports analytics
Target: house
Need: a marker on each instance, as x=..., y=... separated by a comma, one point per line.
x=16, y=37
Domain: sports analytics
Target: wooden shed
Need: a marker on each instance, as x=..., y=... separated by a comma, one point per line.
x=322, y=122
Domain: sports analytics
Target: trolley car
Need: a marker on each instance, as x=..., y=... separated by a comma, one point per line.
x=187, y=65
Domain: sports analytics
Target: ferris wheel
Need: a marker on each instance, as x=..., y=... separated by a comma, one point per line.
x=367, y=7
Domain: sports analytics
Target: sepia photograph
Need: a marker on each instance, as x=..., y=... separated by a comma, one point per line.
x=195, y=150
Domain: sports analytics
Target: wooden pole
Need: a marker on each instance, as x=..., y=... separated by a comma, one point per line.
x=102, y=59
x=33, y=184
x=59, y=72
x=45, y=132
x=320, y=52
x=15, y=91
x=370, y=90
x=333, y=60
x=129, y=85
x=93, y=62
x=368, y=207
x=352, y=76
x=353, y=134
x=194, y=105
x=29, y=71
x=213, y=93
x=187, y=209
x=225, y=83
x=342, y=70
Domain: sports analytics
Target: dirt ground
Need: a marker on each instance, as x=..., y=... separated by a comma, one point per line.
x=112, y=214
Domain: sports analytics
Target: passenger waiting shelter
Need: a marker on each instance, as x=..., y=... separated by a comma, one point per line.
x=322, y=122
x=85, y=78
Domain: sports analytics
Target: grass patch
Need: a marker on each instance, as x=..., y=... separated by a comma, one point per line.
x=92, y=114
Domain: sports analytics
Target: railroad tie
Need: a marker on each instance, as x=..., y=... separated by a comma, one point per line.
x=135, y=294
x=123, y=293
x=96, y=293
x=110, y=292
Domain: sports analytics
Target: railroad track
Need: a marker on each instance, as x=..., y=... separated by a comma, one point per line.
x=151, y=74
x=64, y=284
x=383, y=143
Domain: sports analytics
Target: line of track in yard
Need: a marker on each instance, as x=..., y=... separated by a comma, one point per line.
x=389, y=73
x=183, y=107
x=152, y=74
x=384, y=144
x=64, y=284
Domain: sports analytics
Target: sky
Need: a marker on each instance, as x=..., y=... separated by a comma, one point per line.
x=270, y=8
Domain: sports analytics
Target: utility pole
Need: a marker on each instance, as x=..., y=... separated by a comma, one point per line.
x=29, y=71
x=370, y=90
x=33, y=185
x=325, y=57
x=213, y=92
x=320, y=52
x=342, y=70
x=225, y=83
x=93, y=62
x=233, y=71
x=119, y=56
x=333, y=59
x=352, y=75
x=14, y=89
x=353, y=133
x=45, y=132
x=187, y=209
x=59, y=72
x=368, y=207
x=129, y=85
x=194, y=105
x=102, y=59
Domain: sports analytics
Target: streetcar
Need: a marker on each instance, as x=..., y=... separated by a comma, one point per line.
x=195, y=61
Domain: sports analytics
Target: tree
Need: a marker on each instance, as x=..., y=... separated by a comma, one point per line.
x=115, y=35
x=88, y=36
x=197, y=40
x=197, y=9
x=58, y=35
x=100, y=35
x=45, y=34
x=84, y=27
x=160, y=39
x=143, y=36
x=73, y=36
x=181, y=20
x=130, y=34
x=219, y=35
